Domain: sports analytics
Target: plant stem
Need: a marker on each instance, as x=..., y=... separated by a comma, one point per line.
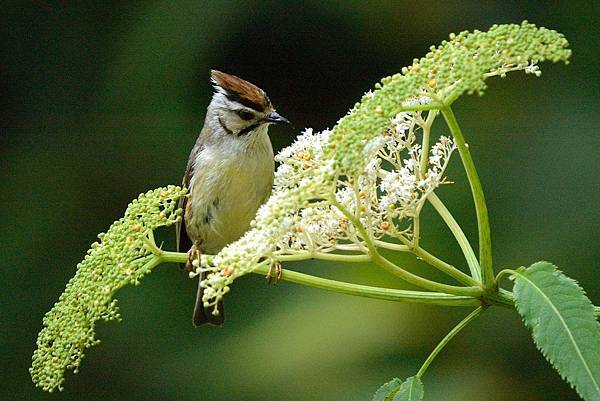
x=423, y=282
x=177, y=257
x=392, y=246
x=397, y=270
x=430, y=259
x=422, y=171
x=502, y=273
x=458, y=233
x=389, y=294
x=485, y=241
x=463, y=323
x=172, y=257
x=425, y=143
x=445, y=267
x=503, y=298
x=323, y=256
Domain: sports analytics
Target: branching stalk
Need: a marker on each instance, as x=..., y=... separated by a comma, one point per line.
x=306, y=255
x=398, y=271
x=425, y=143
x=445, y=267
x=390, y=294
x=458, y=233
x=430, y=259
x=485, y=242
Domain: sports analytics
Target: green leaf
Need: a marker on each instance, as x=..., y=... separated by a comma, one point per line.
x=563, y=325
x=387, y=391
x=410, y=390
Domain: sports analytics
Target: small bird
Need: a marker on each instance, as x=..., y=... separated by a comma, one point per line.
x=229, y=174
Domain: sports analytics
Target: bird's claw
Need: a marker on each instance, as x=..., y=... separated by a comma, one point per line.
x=275, y=272
x=192, y=254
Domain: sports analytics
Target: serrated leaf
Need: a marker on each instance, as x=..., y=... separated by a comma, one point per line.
x=410, y=390
x=563, y=325
x=387, y=391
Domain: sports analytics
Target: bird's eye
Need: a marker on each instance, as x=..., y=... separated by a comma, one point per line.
x=245, y=115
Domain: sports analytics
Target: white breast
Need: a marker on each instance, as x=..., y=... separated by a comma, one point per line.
x=230, y=181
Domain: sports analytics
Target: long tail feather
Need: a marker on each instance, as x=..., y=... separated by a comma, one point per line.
x=204, y=315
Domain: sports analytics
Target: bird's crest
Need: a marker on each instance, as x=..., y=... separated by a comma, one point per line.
x=241, y=91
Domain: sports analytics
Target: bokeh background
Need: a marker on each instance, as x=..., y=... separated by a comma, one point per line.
x=103, y=100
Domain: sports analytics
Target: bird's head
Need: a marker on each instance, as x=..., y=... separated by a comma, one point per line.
x=240, y=107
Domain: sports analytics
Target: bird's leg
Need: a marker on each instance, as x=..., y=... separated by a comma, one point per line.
x=275, y=272
x=192, y=254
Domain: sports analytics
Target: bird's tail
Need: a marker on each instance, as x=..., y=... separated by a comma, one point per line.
x=204, y=315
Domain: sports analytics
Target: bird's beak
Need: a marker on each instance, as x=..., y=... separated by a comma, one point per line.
x=274, y=117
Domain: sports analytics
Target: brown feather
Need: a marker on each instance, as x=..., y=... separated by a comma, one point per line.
x=242, y=91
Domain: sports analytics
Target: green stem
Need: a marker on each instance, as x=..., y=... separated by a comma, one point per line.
x=501, y=298
x=458, y=233
x=177, y=257
x=389, y=294
x=445, y=267
x=423, y=282
x=323, y=256
x=430, y=259
x=422, y=171
x=463, y=323
x=485, y=241
x=502, y=273
x=397, y=270
x=425, y=143
x=172, y=257
x=391, y=246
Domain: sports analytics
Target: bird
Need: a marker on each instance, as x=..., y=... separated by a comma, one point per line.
x=229, y=175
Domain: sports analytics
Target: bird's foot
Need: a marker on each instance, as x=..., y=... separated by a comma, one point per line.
x=275, y=272
x=192, y=254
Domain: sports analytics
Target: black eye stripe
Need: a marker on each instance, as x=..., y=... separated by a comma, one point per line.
x=249, y=129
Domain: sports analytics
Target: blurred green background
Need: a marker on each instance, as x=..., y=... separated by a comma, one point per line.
x=103, y=100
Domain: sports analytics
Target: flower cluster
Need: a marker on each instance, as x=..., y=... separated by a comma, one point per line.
x=313, y=206
x=459, y=65
x=119, y=258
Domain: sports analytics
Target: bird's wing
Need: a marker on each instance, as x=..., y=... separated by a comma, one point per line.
x=182, y=240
